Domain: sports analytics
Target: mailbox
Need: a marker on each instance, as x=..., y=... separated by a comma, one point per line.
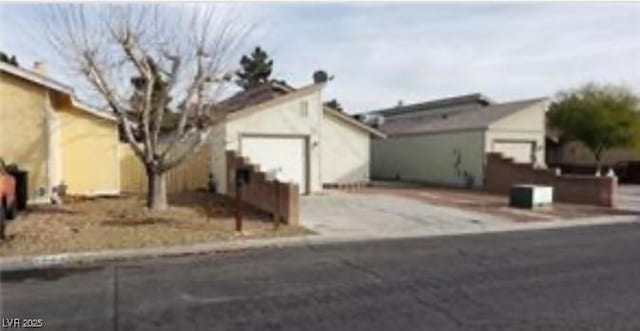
x=243, y=176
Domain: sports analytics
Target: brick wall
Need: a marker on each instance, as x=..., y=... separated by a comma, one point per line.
x=501, y=173
x=281, y=200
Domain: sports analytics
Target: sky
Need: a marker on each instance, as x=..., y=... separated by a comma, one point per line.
x=381, y=53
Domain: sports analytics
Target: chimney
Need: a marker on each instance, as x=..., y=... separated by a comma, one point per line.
x=39, y=68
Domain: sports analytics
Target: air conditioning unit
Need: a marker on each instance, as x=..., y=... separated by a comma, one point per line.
x=530, y=196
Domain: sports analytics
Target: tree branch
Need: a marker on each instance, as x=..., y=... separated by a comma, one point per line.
x=161, y=106
x=96, y=77
x=192, y=148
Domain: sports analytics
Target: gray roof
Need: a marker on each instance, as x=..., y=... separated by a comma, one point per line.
x=456, y=101
x=252, y=97
x=453, y=118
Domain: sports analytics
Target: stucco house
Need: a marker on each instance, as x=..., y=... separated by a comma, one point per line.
x=46, y=131
x=575, y=154
x=290, y=135
x=445, y=141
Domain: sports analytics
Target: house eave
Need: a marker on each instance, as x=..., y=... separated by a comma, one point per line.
x=275, y=102
x=55, y=86
x=353, y=122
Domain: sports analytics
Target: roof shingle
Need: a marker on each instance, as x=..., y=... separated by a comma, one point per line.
x=453, y=118
x=473, y=99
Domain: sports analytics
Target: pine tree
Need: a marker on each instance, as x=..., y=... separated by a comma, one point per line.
x=4, y=57
x=256, y=69
x=158, y=97
x=333, y=103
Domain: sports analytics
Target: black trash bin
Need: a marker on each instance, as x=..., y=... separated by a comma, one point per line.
x=22, y=184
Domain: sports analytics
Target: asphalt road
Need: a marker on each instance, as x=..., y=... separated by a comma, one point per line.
x=569, y=279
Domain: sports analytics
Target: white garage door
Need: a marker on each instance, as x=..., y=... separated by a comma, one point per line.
x=282, y=157
x=520, y=151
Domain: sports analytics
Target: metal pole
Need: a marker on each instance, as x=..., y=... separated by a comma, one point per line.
x=276, y=218
x=238, y=208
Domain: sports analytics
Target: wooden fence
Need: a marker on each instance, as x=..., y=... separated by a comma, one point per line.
x=192, y=174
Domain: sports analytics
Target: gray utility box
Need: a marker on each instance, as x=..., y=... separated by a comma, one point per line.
x=530, y=196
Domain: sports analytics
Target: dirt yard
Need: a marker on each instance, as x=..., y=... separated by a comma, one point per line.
x=480, y=201
x=124, y=222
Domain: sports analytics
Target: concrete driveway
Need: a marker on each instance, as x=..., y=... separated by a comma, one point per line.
x=629, y=197
x=340, y=214
x=386, y=212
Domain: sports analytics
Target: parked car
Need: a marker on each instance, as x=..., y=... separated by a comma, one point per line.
x=628, y=171
x=8, y=200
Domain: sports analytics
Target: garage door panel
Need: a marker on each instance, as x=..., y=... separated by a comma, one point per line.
x=520, y=151
x=283, y=158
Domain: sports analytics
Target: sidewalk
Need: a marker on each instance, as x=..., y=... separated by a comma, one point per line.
x=43, y=261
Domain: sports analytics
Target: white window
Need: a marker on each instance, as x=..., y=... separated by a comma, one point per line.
x=304, y=108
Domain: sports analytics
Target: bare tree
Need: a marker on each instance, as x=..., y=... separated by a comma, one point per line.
x=151, y=64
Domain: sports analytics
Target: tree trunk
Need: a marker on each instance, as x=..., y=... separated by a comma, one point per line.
x=598, y=156
x=156, y=190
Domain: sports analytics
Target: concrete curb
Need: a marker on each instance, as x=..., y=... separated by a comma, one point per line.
x=20, y=263
x=43, y=261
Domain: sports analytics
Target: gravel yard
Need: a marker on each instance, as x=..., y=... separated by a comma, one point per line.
x=124, y=222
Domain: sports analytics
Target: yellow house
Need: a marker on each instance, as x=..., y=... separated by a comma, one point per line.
x=49, y=133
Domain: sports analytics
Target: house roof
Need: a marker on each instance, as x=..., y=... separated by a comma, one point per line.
x=275, y=93
x=255, y=96
x=455, y=118
x=473, y=99
x=54, y=85
x=262, y=100
x=340, y=115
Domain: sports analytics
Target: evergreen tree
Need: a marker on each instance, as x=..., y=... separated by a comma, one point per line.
x=256, y=69
x=4, y=57
x=333, y=103
x=159, y=97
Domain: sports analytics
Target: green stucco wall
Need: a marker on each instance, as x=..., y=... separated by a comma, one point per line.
x=448, y=158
